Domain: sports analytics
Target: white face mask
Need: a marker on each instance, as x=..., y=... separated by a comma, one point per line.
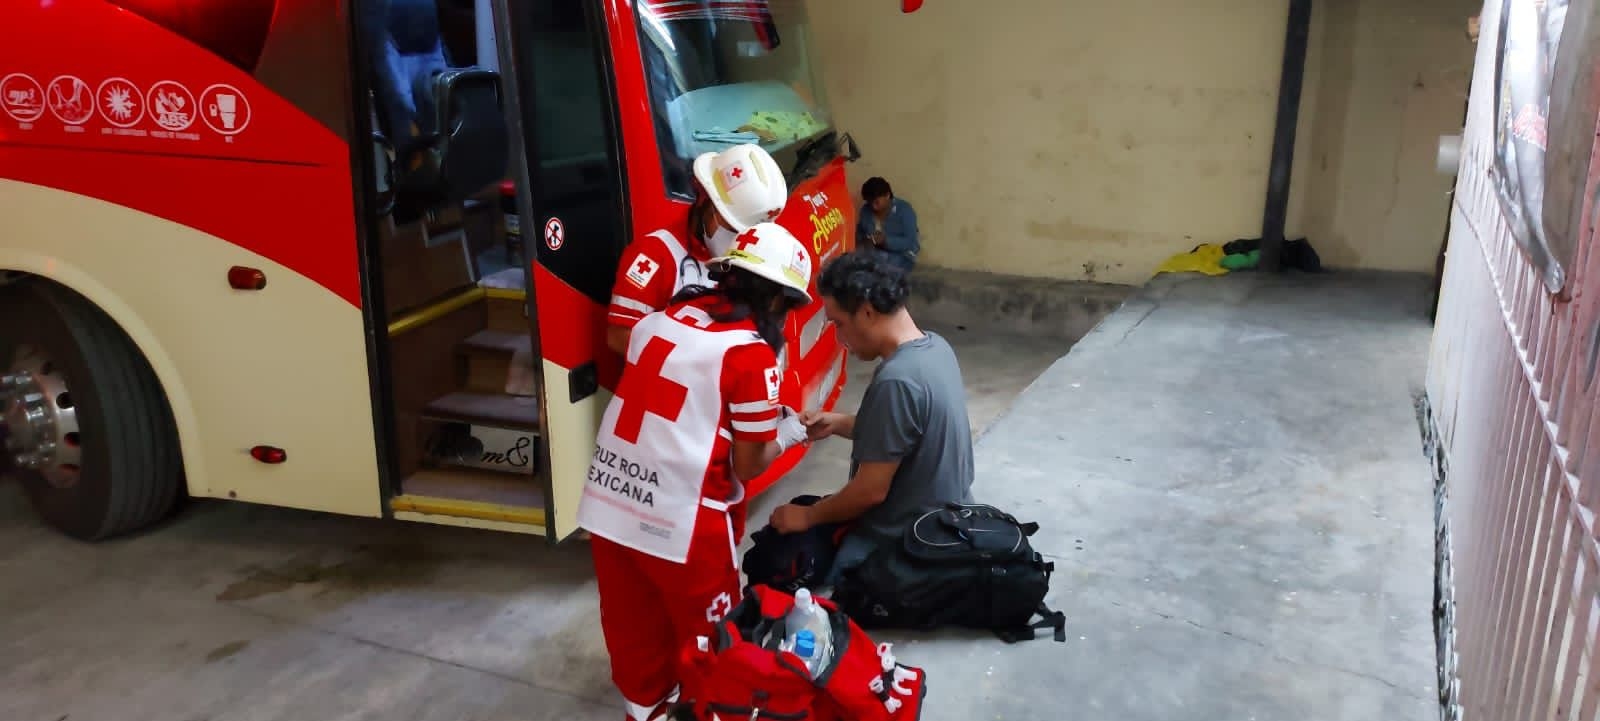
x=721, y=241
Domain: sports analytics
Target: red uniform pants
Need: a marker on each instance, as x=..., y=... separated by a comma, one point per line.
x=650, y=607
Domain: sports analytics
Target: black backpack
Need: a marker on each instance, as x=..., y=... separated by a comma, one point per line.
x=792, y=561
x=962, y=565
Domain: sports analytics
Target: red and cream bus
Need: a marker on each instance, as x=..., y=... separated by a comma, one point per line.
x=354, y=256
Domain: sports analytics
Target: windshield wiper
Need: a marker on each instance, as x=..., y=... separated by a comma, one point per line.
x=813, y=154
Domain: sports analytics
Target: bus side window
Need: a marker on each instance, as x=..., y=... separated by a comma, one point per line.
x=572, y=157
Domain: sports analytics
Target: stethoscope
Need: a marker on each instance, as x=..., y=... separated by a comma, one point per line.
x=683, y=271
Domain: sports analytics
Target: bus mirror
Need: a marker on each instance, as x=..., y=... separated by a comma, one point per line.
x=853, y=152
x=383, y=173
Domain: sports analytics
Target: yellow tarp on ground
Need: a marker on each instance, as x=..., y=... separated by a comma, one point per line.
x=1205, y=259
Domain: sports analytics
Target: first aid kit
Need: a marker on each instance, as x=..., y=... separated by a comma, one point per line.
x=753, y=668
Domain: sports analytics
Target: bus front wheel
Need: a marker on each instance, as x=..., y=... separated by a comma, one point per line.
x=86, y=426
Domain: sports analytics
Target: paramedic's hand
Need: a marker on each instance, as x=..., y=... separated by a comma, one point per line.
x=791, y=518
x=791, y=431
x=820, y=425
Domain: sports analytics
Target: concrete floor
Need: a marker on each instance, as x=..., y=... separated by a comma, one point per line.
x=236, y=612
x=1227, y=472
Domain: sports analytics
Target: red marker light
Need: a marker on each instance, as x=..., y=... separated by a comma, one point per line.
x=242, y=278
x=269, y=454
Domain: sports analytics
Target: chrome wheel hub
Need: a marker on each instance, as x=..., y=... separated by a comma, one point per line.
x=39, y=419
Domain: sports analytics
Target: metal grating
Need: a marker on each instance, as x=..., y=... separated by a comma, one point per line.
x=1509, y=412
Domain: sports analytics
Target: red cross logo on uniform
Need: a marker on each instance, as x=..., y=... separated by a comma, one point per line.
x=774, y=213
x=644, y=390
x=774, y=387
x=720, y=607
x=737, y=172
x=642, y=270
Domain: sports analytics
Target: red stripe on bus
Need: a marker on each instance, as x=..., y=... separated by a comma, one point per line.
x=306, y=228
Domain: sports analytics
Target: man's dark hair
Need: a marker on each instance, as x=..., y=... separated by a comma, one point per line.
x=748, y=296
x=864, y=275
x=875, y=188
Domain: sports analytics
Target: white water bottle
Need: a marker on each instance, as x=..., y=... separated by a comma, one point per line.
x=810, y=619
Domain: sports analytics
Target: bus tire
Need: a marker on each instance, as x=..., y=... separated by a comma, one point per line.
x=128, y=473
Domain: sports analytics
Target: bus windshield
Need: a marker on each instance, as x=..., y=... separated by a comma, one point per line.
x=723, y=72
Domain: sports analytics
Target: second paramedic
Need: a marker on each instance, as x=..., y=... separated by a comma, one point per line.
x=736, y=189
x=696, y=411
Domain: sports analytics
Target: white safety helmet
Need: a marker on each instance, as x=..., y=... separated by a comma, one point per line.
x=772, y=252
x=745, y=184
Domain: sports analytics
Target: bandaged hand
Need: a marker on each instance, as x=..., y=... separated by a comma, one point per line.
x=791, y=431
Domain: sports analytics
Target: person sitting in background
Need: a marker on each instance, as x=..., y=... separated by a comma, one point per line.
x=911, y=437
x=888, y=224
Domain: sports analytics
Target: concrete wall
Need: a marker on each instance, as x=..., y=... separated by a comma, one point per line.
x=1384, y=80
x=1090, y=141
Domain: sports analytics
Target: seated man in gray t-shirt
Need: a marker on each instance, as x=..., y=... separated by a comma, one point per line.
x=912, y=438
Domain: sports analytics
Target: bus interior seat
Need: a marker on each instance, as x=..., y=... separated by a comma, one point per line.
x=444, y=121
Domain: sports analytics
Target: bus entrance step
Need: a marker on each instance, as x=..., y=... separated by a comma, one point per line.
x=498, y=361
x=486, y=409
x=476, y=495
x=498, y=341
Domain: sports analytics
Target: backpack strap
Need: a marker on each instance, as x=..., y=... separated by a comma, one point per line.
x=1049, y=619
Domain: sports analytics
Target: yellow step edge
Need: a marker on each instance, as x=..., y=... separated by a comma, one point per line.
x=457, y=522
x=423, y=316
x=505, y=293
x=480, y=510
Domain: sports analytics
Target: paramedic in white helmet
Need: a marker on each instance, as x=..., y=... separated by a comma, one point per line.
x=696, y=411
x=735, y=189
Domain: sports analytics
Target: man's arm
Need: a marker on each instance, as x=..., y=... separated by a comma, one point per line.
x=868, y=488
x=846, y=428
x=821, y=425
x=893, y=429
